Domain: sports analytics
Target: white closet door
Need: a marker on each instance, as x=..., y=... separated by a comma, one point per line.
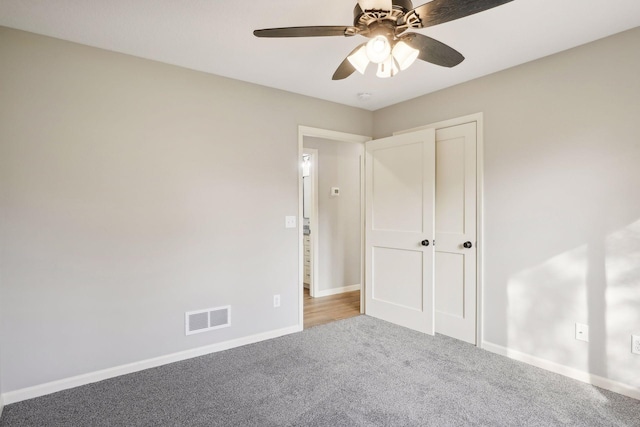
x=455, y=249
x=400, y=191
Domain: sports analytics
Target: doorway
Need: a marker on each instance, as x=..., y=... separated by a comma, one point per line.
x=331, y=225
x=310, y=219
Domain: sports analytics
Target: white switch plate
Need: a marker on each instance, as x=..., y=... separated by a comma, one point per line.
x=335, y=191
x=276, y=301
x=635, y=344
x=289, y=222
x=582, y=332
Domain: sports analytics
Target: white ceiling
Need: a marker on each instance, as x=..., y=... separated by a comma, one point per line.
x=215, y=36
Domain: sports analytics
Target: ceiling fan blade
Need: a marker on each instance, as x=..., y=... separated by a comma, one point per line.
x=320, y=31
x=345, y=69
x=433, y=51
x=441, y=11
x=375, y=4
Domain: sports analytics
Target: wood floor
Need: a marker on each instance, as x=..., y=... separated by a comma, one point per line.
x=318, y=311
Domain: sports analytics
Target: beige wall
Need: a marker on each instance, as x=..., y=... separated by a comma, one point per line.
x=338, y=217
x=561, y=205
x=133, y=191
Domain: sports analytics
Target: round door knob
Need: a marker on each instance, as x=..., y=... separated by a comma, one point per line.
x=467, y=245
x=425, y=243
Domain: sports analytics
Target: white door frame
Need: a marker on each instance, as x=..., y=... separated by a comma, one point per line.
x=335, y=136
x=478, y=118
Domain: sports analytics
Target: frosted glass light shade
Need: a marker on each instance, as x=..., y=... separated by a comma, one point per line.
x=404, y=54
x=388, y=68
x=375, y=4
x=359, y=59
x=378, y=49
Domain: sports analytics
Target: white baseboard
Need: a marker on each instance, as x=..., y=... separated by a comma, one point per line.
x=335, y=291
x=92, y=377
x=1, y=406
x=576, y=374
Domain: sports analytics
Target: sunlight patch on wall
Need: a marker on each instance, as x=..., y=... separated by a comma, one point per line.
x=545, y=301
x=623, y=297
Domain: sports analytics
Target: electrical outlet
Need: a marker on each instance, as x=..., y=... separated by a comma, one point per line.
x=276, y=301
x=289, y=222
x=582, y=332
x=635, y=344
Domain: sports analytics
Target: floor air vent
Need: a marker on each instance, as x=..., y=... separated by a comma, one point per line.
x=207, y=319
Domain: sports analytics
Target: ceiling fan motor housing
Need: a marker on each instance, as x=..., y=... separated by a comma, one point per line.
x=400, y=7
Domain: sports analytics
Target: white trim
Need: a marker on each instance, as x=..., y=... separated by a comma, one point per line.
x=335, y=291
x=1, y=405
x=576, y=374
x=363, y=229
x=478, y=118
x=331, y=134
x=336, y=136
x=92, y=377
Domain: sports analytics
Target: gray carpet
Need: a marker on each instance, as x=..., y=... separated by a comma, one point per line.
x=356, y=372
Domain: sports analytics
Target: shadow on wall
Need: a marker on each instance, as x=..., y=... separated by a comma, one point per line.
x=597, y=284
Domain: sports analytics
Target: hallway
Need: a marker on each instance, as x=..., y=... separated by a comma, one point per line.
x=318, y=311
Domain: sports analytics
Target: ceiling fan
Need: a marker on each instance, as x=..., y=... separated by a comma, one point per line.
x=390, y=46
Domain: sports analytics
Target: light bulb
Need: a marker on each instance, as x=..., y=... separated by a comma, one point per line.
x=359, y=59
x=378, y=49
x=388, y=68
x=404, y=54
